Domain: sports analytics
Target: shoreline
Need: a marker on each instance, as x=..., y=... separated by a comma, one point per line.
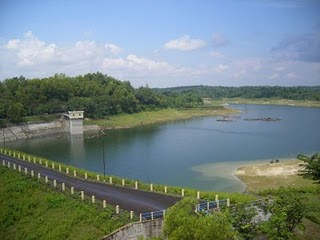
x=122, y=121
x=283, y=168
x=247, y=175
x=125, y=121
x=261, y=176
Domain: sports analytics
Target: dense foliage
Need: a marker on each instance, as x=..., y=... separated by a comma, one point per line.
x=182, y=223
x=242, y=220
x=100, y=96
x=312, y=165
x=286, y=212
x=293, y=93
x=97, y=94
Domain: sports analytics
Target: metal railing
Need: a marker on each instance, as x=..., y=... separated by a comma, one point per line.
x=152, y=215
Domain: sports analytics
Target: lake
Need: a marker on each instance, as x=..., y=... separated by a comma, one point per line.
x=201, y=153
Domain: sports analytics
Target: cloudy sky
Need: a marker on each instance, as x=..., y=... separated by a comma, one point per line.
x=164, y=43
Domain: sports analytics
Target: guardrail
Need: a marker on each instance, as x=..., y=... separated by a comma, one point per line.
x=152, y=215
x=201, y=207
x=206, y=206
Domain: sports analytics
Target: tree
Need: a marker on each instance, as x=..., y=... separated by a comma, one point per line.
x=312, y=165
x=182, y=223
x=242, y=220
x=287, y=212
x=16, y=112
x=147, y=96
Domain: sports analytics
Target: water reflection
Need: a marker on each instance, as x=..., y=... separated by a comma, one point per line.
x=168, y=153
x=77, y=148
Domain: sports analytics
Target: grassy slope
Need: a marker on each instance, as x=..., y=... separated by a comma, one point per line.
x=149, y=117
x=31, y=210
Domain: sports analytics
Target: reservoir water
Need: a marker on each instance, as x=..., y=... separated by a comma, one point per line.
x=200, y=152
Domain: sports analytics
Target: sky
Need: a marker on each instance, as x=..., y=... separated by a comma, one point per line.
x=164, y=43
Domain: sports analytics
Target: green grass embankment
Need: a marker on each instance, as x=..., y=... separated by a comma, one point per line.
x=32, y=210
x=158, y=116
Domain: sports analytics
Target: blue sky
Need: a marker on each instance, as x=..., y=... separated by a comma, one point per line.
x=164, y=43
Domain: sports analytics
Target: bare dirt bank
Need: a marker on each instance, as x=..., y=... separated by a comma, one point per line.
x=262, y=176
x=282, y=168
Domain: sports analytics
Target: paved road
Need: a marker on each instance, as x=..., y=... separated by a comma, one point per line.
x=128, y=199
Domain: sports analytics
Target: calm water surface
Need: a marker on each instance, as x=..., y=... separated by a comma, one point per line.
x=200, y=152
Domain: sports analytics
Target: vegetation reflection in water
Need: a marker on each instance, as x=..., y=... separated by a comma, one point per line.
x=175, y=153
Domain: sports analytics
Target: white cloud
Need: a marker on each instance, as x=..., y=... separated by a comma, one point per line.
x=185, y=43
x=31, y=57
x=140, y=66
x=112, y=48
x=221, y=68
x=31, y=50
x=34, y=57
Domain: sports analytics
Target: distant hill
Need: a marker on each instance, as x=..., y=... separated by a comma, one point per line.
x=294, y=93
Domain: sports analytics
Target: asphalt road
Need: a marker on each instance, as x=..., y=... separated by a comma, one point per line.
x=127, y=198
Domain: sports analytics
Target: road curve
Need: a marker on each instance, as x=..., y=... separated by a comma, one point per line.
x=129, y=199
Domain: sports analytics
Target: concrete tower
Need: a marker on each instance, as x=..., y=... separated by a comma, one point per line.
x=75, y=125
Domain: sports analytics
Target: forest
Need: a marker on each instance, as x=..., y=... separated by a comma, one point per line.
x=218, y=92
x=97, y=94
x=100, y=96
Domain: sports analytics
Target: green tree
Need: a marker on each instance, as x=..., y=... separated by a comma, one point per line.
x=182, y=223
x=287, y=212
x=312, y=165
x=242, y=220
x=16, y=112
x=147, y=97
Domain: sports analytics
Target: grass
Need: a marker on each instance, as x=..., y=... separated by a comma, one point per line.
x=258, y=184
x=32, y=210
x=150, y=117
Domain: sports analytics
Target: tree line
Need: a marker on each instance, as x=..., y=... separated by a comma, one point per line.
x=100, y=96
x=218, y=92
x=97, y=94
